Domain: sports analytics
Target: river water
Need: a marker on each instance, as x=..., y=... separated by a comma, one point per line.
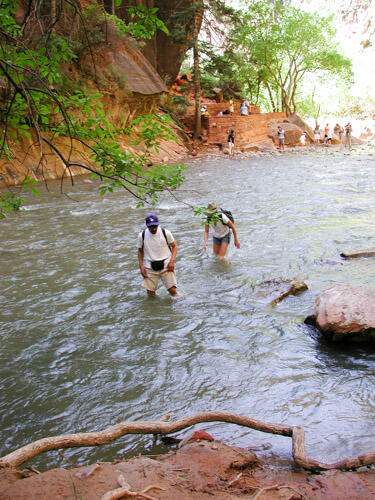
x=83, y=347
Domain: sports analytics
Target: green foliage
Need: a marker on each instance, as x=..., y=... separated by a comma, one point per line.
x=356, y=106
x=143, y=25
x=28, y=182
x=227, y=72
x=38, y=101
x=174, y=103
x=145, y=22
x=123, y=169
x=152, y=128
x=208, y=216
x=9, y=203
x=307, y=108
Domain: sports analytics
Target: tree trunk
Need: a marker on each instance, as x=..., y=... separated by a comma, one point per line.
x=53, y=13
x=274, y=109
x=285, y=103
x=316, y=115
x=197, y=84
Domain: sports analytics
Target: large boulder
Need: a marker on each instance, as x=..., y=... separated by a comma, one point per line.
x=292, y=133
x=297, y=120
x=345, y=313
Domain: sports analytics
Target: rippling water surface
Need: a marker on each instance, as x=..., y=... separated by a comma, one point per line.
x=82, y=347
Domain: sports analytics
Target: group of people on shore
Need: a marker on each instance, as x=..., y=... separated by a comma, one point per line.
x=157, y=248
x=328, y=135
x=329, y=131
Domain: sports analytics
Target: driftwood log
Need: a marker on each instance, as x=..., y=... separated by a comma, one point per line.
x=357, y=255
x=109, y=434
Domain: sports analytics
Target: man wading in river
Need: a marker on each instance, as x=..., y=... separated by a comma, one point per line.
x=222, y=227
x=157, y=250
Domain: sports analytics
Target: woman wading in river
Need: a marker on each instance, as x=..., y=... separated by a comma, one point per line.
x=222, y=227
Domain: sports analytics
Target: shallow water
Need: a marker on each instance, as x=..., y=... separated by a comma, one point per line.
x=84, y=348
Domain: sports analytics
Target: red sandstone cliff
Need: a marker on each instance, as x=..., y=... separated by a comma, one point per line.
x=165, y=53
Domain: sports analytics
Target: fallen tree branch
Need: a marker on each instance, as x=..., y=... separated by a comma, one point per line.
x=125, y=491
x=235, y=480
x=278, y=487
x=109, y=434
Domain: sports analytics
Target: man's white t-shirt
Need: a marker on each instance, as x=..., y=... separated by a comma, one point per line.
x=220, y=229
x=155, y=247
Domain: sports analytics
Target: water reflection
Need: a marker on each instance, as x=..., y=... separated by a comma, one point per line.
x=84, y=348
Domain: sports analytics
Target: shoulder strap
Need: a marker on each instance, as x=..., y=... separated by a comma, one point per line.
x=166, y=239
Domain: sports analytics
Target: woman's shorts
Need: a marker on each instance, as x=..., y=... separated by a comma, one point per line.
x=151, y=282
x=224, y=239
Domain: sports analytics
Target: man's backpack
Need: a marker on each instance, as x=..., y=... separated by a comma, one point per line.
x=228, y=213
x=165, y=236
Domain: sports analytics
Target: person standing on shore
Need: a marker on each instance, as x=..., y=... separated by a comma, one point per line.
x=317, y=134
x=281, y=134
x=231, y=142
x=348, y=135
x=157, y=250
x=329, y=135
x=341, y=132
x=222, y=228
x=231, y=106
x=244, y=109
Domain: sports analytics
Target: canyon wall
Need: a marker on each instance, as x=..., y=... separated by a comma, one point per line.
x=125, y=73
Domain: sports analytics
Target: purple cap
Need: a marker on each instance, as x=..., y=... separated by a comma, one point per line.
x=152, y=220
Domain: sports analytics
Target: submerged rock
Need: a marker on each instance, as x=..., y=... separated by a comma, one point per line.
x=345, y=313
x=287, y=287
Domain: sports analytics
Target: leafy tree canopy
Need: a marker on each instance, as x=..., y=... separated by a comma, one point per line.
x=273, y=48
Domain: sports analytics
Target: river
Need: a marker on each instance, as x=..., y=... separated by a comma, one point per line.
x=83, y=347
